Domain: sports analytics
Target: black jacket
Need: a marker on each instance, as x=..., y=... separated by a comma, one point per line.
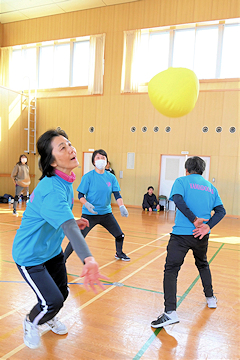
x=149, y=201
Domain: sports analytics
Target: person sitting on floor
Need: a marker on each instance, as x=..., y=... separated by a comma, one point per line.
x=150, y=202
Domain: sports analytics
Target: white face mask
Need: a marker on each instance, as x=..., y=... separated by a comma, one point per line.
x=23, y=160
x=100, y=164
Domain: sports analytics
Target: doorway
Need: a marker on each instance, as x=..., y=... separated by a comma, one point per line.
x=87, y=162
x=172, y=167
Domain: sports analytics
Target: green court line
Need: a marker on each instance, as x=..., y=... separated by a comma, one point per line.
x=156, y=332
x=153, y=291
x=73, y=275
x=2, y=232
x=8, y=261
x=128, y=286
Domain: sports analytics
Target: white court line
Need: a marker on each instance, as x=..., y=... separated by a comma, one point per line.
x=98, y=296
x=111, y=262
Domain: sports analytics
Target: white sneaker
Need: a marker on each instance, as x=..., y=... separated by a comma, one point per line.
x=31, y=335
x=57, y=326
x=212, y=302
x=165, y=319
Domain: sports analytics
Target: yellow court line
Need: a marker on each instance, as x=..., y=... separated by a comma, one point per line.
x=111, y=287
x=111, y=239
x=13, y=311
x=119, y=270
x=79, y=278
x=98, y=296
x=9, y=224
x=14, y=351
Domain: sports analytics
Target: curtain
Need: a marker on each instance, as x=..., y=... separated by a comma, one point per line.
x=5, y=56
x=96, y=64
x=130, y=68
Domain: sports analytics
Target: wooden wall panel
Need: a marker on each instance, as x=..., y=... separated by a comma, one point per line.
x=113, y=114
x=188, y=13
x=177, y=135
x=78, y=24
x=236, y=198
x=161, y=141
x=218, y=5
x=230, y=117
x=202, y=10
x=1, y=32
x=148, y=15
x=102, y=122
x=196, y=121
x=142, y=175
x=137, y=9
x=118, y=18
x=121, y=17
x=168, y=12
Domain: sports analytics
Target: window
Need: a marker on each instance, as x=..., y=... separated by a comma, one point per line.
x=59, y=64
x=46, y=63
x=183, y=48
x=211, y=50
x=205, y=59
x=156, y=58
x=231, y=52
x=80, y=63
x=158, y=52
x=54, y=66
x=23, y=68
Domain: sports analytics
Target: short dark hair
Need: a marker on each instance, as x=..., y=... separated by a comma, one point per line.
x=150, y=187
x=195, y=165
x=44, y=146
x=20, y=157
x=101, y=152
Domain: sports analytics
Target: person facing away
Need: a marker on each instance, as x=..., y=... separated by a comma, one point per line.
x=195, y=198
x=94, y=192
x=21, y=180
x=150, y=201
x=108, y=168
x=37, y=248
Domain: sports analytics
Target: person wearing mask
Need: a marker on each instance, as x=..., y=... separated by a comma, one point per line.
x=95, y=192
x=21, y=180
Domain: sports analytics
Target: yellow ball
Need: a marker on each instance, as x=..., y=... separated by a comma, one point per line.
x=174, y=92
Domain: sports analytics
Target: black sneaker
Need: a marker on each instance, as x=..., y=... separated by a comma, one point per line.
x=165, y=319
x=122, y=256
x=15, y=212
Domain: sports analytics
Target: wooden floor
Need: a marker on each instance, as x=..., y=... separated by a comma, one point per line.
x=115, y=324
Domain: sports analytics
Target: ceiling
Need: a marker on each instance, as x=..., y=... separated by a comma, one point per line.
x=17, y=10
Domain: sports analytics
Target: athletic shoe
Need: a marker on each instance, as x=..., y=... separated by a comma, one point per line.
x=212, y=302
x=122, y=256
x=57, y=326
x=31, y=335
x=15, y=212
x=165, y=319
